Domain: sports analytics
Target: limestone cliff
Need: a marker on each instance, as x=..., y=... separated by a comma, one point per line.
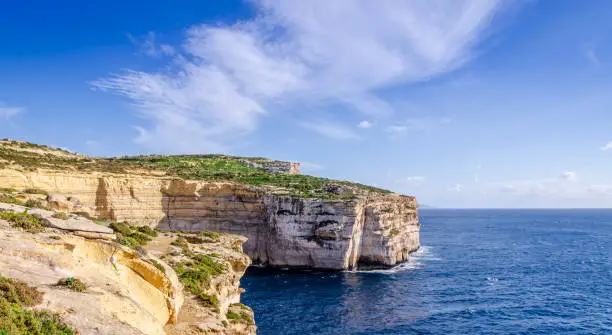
x=336, y=226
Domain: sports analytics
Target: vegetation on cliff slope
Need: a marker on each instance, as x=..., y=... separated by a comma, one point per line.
x=28, y=222
x=197, y=167
x=197, y=271
x=130, y=236
x=15, y=319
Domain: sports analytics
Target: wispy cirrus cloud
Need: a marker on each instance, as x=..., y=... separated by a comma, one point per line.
x=412, y=180
x=223, y=79
x=331, y=130
x=8, y=112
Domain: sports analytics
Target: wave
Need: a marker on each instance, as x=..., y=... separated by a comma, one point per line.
x=416, y=260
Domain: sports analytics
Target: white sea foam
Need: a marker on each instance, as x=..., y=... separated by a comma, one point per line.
x=416, y=260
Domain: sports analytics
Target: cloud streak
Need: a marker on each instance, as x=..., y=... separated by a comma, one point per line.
x=223, y=79
x=8, y=112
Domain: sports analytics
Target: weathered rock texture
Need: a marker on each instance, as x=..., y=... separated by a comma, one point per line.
x=274, y=166
x=127, y=293
x=281, y=230
x=194, y=318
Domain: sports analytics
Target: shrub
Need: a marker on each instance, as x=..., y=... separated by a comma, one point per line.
x=211, y=234
x=242, y=316
x=209, y=300
x=19, y=293
x=130, y=236
x=233, y=316
x=60, y=215
x=10, y=199
x=147, y=230
x=14, y=319
x=157, y=265
x=196, y=275
x=73, y=283
x=33, y=203
x=30, y=223
x=35, y=191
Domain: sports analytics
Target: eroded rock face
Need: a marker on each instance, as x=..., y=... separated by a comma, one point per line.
x=281, y=230
x=128, y=292
x=125, y=294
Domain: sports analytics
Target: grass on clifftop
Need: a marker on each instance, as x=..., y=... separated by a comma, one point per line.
x=196, y=167
x=226, y=168
x=16, y=320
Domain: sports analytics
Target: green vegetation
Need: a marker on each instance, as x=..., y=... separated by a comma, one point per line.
x=211, y=235
x=35, y=191
x=209, y=301
x=147, y=230
x=10, y=199
x=34, y=203
x=19, y=293
x=196, y=274
x=133, y=237
x=16, y=320
x=242, y=316
x=60, y=215
x=200, y=167
x=181, y=242
x=28, y=222
x=157, y=265
x=73, y=283
x=7, y=190
x=393, y=232
x=220, y=167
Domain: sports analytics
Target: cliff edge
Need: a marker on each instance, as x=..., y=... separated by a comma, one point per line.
x=288, y=218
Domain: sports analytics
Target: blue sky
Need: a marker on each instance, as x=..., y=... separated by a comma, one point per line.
x=461, y=103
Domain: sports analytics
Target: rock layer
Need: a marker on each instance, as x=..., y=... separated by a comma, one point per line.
x=281, y=230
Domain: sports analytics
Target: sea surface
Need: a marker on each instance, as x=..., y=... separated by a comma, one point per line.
x=477, y=272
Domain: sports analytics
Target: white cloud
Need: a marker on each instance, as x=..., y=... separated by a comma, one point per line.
x=591, y=56
x=567, y=184
x=607, y=147
x=148, y=45
x=331, y=130
x=569, y=176
x=457, y=188
x=416, y=124
x=8, y=112
x=224, y=78
x=309, y=167
x=412, y=180
x=365, y=124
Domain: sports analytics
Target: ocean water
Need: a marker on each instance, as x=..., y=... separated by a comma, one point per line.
x=478, y=272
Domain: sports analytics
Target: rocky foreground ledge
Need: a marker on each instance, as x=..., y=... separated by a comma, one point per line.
x=98, y=280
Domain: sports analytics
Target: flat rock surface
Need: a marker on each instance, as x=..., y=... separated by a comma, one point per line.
x=74, y=223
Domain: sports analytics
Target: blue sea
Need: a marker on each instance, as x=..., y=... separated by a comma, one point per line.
x=478, y=272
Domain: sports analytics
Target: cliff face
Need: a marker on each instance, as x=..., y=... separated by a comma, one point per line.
x=281, y=230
